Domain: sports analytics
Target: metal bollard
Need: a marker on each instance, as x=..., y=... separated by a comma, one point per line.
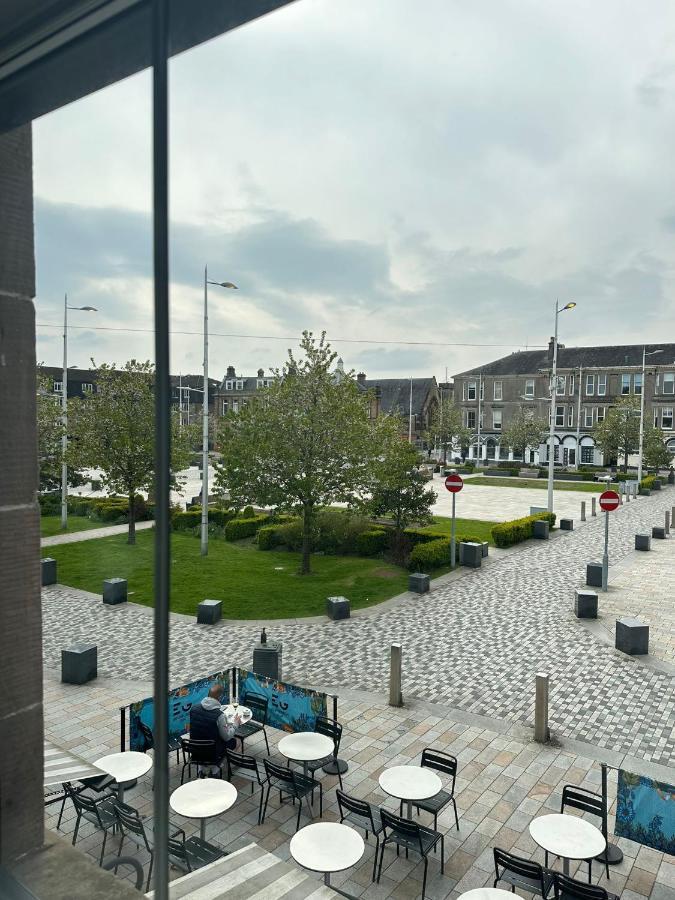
x=667, y=523
x=541, y=730
x=672, y=516
x=593, y=512
x=583, y=510
x=395, y=695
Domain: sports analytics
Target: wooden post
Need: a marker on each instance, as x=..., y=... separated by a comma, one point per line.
x=541, y=730
x=395, y=695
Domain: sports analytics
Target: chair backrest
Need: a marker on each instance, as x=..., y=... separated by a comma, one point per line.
x=241, y=761
x=82, y=802
x=148, y=737
x=583, y=799
x=355, y=806
x=200, y=751
x=441, y=762
x=178, y=855
x=566, y=887
x=330, y=729
x=130, y=822
x=257, y=703
x=279, y=774
x=525, y=868
x=402, y=828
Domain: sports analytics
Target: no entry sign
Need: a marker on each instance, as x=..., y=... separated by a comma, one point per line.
x=609, y=500
x=454, y=483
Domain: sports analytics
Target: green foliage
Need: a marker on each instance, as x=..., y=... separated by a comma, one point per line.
x=191, y=519
x=237, y=529
x=334, y=531
x=49, y=433
x=372, y=542
x=523, y=431
x=248, y=512
x=436, y=553
x=445, y=427
x=508, y=533
x=269, y=537
x=655, y=454
x=647, y=483
x=619, y=433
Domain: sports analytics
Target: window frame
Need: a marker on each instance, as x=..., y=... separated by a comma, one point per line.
x=624, y=387
x=58, y=387
x=586, y=454
x=637, y=384
x=495, y=394
x=666, y=413
x=598, y=417
x=528, y=382
x=588, y=414
x=602, y=385
x=497, y=423
x=670, y=376
x=469, y=414
x=228, y=385
x=225, y=408
x=560, y=414
x=590, y=380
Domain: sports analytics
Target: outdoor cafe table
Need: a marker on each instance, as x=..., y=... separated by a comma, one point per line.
x=410, y=783
x=305, y=747
x=125, y=767
x=203, y=799
x=486, y=893
x=327, y=847
x=568, y=837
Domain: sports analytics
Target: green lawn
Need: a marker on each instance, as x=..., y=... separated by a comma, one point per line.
x=251, y=583
x=50, y=525
x=477, y=527
x=541, y=483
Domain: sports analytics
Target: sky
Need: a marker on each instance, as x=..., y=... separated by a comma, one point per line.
x=421, y=181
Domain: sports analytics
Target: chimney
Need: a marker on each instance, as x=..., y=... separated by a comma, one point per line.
x=261, y=372
x=361, y=378
x=230, y=372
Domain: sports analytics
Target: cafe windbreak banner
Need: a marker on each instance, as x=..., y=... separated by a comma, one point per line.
x=290, y=707
x=645, y=812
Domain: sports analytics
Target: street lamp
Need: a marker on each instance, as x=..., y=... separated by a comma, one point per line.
x=205, y=413
x=64, y=398
x=642, y=407
x=551, y=435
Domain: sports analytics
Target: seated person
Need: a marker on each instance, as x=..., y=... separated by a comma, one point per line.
x=208, y=723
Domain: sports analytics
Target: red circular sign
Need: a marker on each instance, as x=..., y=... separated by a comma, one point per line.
x=609, y=500
x=454, y=483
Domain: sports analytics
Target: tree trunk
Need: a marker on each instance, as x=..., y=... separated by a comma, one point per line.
x=132, y=520
x=625, y=461
x=306, y=539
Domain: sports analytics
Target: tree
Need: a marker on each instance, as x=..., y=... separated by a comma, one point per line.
x=306, y=441
x=655, y=454
x=113, y=429
x=446, y=426
x=49, y=433
x=523, y=431
x=619, y=432
x=397, y=488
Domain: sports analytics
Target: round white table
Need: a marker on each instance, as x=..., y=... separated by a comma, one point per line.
x=124, y=767
x=327, y=847
x=306, y=746
x=568, y=837
x=487, y=893
x=244, y=713
x=202, y=799
x=410, y=783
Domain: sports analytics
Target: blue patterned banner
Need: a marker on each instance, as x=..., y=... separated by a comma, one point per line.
x=645, y=812
x=181, y=700
x=290, y=708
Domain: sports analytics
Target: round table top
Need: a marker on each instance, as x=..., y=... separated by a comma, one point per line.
x=486, y=893
x=306, y=746
x=203, y=798
x=327, y=847
x=410, y=782
x=125, y=766
x=568, y=836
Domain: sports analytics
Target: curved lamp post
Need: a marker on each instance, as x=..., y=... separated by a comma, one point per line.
x=551, y=434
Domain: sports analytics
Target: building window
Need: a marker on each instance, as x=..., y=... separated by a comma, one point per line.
x=587, y=455
x=228, y=385
x=571, y=380
x=87, y=388
x=262, y=382
x=225, y=407
x=470, y=418
x=637, y=384
x=625, y=384
x=497, y=390
x=240, y=385
x=560, y=385
x=235, y=406
x=669, y=383
x=560, y=416
x=590, y=385
x=570, y=417
x=58, y=387
x=602, y=385
x=497, y=419
x=529, y=387
x=600, y=414
x=667, y=417
x=588, y=416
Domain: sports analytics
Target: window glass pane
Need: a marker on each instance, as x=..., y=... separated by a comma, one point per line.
x=560, y=385
x=560, y=416
x=529, y=387
x=588, y=416
x=498, y=390
x=600, y=414
x=667, y=417
x=602, y=385
x=668, y=382
x=586, y=454
x=471, y=390
x=590, y=385
x=471, y=418
x=637, y=384
x=497, y=419
x=625, y=384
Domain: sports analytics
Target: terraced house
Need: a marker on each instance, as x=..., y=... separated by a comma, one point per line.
x=589, y=381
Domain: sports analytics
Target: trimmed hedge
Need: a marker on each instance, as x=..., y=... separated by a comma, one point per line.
x=238, y=529
x=270, y=536
x=372, y=542
x=647, y=483
x=436, y=553
x=191, y=518
x=508, y=533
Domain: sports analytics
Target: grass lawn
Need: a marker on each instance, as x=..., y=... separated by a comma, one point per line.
x=50, y=525
x=477, y=527
x=252, y=584
x=541, y=483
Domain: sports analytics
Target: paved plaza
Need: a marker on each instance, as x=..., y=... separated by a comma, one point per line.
x=473, y=644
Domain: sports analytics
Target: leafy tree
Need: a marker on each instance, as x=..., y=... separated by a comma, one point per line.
x=305, y=442
x=619, y=433
x=113, y=429
x=524, y=430
x=397, y=488
x=655, y=454
x=446, y=426
x=49, y=432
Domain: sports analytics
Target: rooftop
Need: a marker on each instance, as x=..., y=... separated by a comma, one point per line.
x=530, y=362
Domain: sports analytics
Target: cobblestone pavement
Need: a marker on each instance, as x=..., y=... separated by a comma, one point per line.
x=504, y=781
x=474, y=643
x=75, y=536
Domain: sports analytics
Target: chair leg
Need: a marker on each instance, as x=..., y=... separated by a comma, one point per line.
x=320, y=802
x=454, y=803
x=297, y=823
x=267, y=797
x=442, y=854
x=262, y=794
x=105, y=838
x=267, y=743
x=424, y=880
x=590, y=867
x=77, y=827
x=152, y=859
x=63, y=806
x=119, y=851
x=379, y=871
x=377, y=850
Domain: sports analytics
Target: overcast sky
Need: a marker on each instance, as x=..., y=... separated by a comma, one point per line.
x=384, y=170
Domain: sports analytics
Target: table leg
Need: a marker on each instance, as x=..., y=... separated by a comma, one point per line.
x=566, y=866
x=120, y=793
x=305, y=768
x=202, y=829
x=326, y=878
x=409, y=808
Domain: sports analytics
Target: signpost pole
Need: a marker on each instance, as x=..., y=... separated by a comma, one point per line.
x=452, y=535
x=605, y=555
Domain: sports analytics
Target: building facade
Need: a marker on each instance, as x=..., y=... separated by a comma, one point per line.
x=414, y=399
x=589, y=380
x=236, y=391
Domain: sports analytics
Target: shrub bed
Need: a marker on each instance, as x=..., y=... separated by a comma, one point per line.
x=647, y=483
x=238, y=529
x=373, y=542
x=508, y=533
x=269, y=537
x=436, y=552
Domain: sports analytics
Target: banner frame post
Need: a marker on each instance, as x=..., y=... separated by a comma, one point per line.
x=335, y=766
x=123, y=728
x=612, y=853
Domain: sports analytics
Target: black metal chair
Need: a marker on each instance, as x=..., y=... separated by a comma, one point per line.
x=199, y=753
x=292, y=783
x=98, y=783
x=193, y=853
x=412, y=836
x=441, y=762
x=574, y=797
x=521, y=873
x=567, y=888
x=361, y=813
x=101, y=813
x=258, y=706
x=149, y=741
x=332, y=730
x=133, y=827
x=246, y=767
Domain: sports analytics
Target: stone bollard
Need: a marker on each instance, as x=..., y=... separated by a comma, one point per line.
x=470, y=554
x=540, y=530
x=667, y=520
x=632, y=637
x=643, y=542
x=585, y=604
x=594, y=574
x=567, y=524
x=115, y=591
x=209, y=612
x=418, y=583
x=79, y=663
x=541, y=729
x=672, y=516
x=48, y=571
x=583, y=510
x=593, y=512
x=338, y=608
x=659, y=533
x=395, y=695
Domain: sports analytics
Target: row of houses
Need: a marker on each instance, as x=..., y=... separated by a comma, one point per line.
x=589, y=381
